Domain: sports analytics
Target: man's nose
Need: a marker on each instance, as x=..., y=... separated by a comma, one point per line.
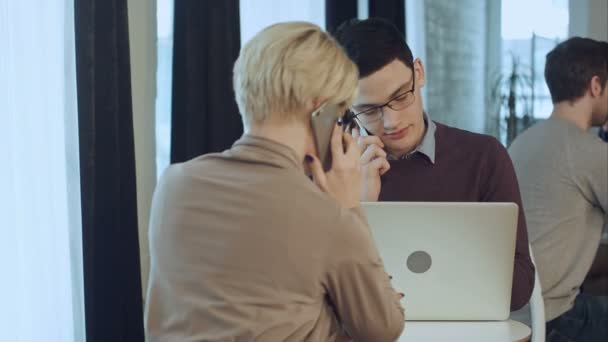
x=391, y=118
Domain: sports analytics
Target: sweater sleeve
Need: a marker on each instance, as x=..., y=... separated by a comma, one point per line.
x=366, y=304
x=500, y=185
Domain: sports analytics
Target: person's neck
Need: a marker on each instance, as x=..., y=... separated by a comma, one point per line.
x=578, y=113
x=291, y=134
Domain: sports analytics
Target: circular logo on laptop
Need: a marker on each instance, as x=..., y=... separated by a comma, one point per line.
x=419, y=262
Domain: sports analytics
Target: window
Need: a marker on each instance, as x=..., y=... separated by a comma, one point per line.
x=164, y=17
x=257, y=14
x=527, y=38
x=41, y=287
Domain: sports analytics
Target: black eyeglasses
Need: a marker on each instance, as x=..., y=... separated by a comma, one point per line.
x=376, y=113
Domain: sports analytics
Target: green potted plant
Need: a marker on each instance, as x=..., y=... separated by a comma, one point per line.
x=513, y=94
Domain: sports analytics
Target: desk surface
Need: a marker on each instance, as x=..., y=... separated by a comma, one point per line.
x=504, y=331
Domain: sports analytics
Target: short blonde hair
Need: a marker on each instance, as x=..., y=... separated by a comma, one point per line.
x=287, y=66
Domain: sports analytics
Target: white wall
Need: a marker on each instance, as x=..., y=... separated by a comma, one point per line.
x=142, y=35
x=589, y=18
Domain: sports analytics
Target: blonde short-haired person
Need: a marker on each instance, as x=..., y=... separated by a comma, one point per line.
x=244, y=246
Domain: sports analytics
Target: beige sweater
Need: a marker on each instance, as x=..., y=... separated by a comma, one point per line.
x=563, y=176
x=244, y=247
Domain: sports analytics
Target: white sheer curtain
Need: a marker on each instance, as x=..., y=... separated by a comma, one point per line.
x=41, y=291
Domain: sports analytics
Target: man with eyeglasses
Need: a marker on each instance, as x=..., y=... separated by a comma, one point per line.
x=407, y=156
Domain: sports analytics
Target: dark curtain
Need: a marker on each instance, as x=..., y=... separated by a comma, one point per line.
x=393, y=10
x=205, y=117
x=112, y=284
x=337, y=12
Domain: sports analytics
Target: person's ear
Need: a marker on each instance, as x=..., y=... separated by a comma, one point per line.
x=597, y=87
x=419, y=72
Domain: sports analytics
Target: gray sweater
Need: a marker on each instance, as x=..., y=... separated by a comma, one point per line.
x=563, y=177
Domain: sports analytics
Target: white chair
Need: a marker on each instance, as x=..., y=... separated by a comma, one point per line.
x=533, y=314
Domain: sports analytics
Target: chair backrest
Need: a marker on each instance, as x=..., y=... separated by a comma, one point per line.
x=533, y=314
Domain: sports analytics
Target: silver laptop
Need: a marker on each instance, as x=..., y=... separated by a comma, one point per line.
x=453, y=261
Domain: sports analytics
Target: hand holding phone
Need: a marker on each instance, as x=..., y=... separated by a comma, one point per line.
x=323, y=122
x=342, y=180
x=374, y=163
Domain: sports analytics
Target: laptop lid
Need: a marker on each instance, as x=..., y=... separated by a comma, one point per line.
x=453, y=261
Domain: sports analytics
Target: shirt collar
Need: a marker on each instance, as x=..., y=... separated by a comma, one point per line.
x=427, y=144
x=265, y=150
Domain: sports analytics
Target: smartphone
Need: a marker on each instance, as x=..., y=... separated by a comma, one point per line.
x=323, y=122
x=362, y=130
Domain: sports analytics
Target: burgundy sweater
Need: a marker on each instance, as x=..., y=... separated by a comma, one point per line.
x=469, y=167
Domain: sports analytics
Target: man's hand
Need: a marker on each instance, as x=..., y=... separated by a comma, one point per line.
x=343, y=180
x=373, y=163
